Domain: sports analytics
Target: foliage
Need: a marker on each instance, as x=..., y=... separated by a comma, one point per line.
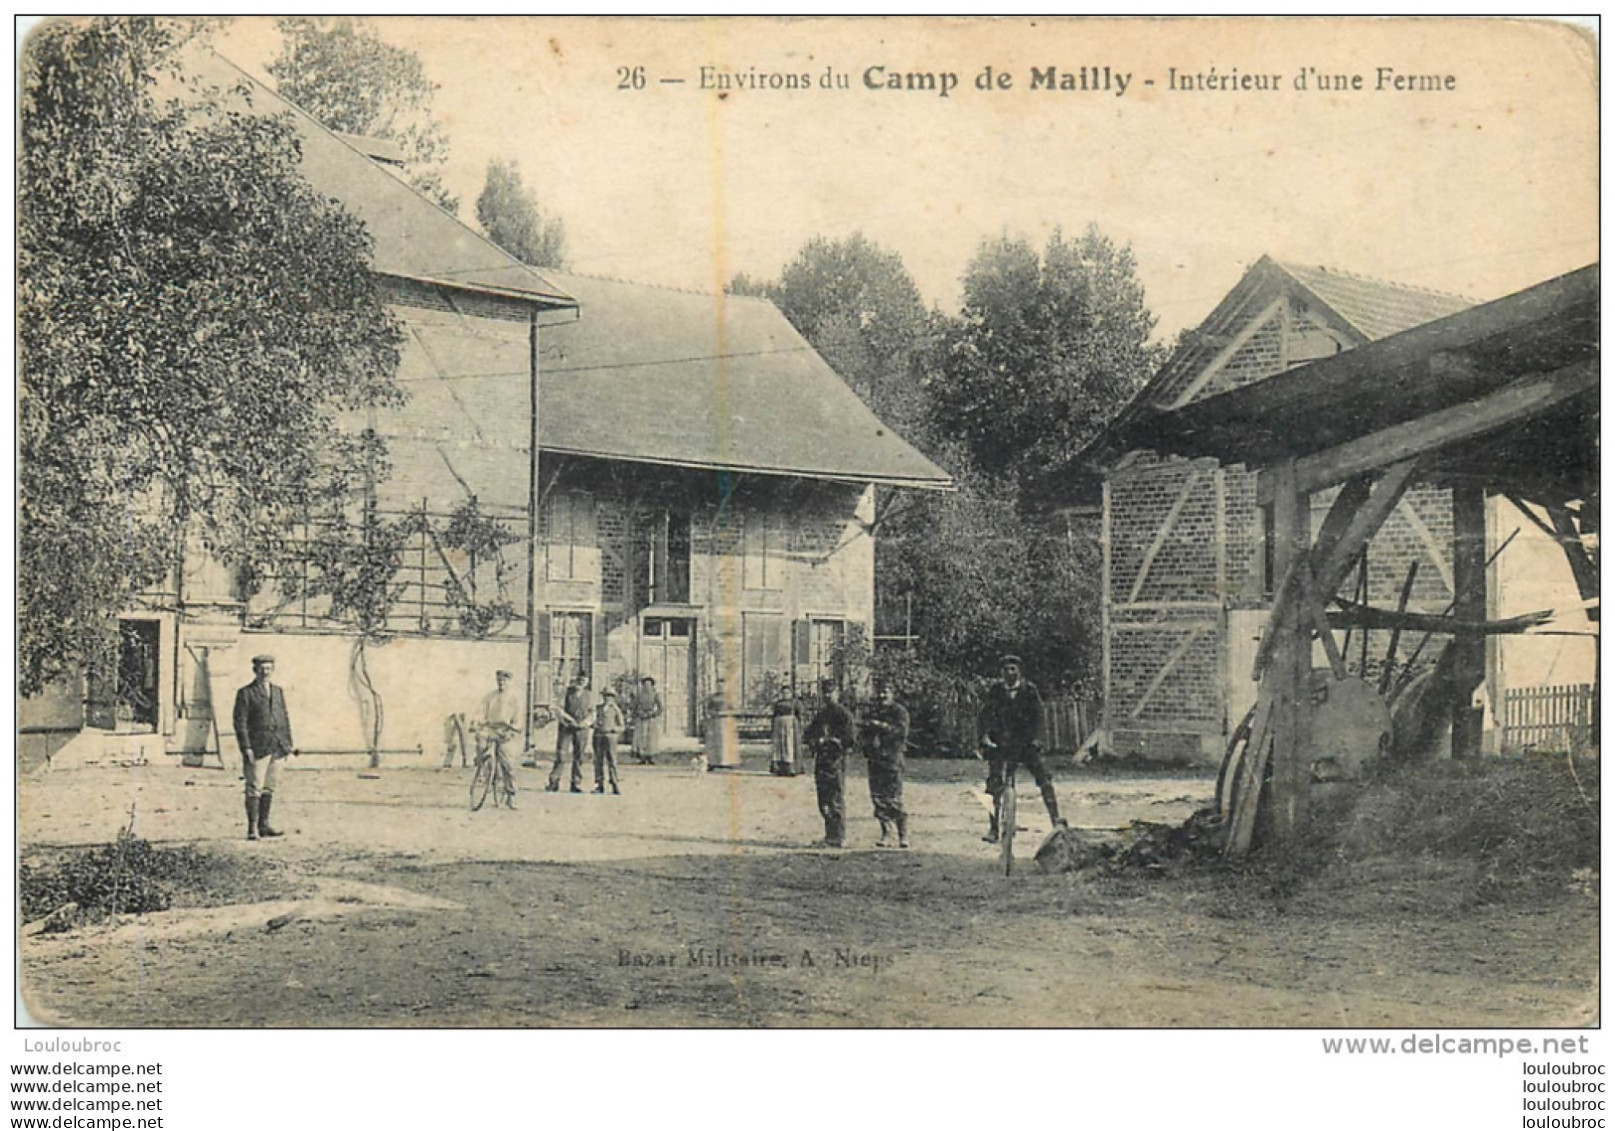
x=1044, y=351
x=479, y=537
x=859, y=307
x=346, y=76
x=192, y=318
x=128, y=876
x=134, y=876
x=509, y=214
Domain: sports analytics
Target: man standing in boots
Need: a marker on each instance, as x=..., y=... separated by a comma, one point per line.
x=885, y=733
x=1011, y=728
x=831, y=736
x=264, y=734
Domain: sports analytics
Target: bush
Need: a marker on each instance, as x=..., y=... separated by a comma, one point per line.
x=129, y=876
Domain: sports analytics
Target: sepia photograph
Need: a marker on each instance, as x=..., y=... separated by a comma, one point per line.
x=795, y=523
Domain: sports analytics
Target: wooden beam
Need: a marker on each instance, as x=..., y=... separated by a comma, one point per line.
x=1246, y=777
x=1341, y=513
x=1396, y=630
x=1469, y=605
x=1291, y=669
x=1161, y=534
x=1519, y=401
x=1172, y=660
x=1350, y=613
x=1226, y=354
x=1363, y=525
x=1320, y=623
x=1581, y=566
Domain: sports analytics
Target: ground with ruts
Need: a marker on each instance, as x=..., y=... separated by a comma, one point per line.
x=692, y=900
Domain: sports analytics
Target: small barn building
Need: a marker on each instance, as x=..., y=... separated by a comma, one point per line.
x=1189, y=557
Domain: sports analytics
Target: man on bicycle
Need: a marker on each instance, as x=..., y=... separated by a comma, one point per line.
x=1011, y=728
x=499, y=724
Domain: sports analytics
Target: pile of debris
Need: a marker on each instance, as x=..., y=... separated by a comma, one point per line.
x=1147, y=846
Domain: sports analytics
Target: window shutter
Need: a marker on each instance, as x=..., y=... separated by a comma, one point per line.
x=585, y=532
x=601, y=672
x=801, y=642
x=541, y=636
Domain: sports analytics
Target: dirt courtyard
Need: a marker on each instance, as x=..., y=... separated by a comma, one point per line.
x=691, y=900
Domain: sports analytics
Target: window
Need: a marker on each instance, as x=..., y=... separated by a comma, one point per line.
x=668, y=558
x=824, y=646
x=571, y=648
x=568, y=533
x=765, y=658
x=763, y=538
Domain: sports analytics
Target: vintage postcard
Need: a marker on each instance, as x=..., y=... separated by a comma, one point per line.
x=799, y=523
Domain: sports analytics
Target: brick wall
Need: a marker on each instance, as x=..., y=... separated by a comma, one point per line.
x=1261, y=356
x=1180, y=596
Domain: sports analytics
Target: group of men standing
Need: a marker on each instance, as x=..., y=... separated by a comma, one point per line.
x=833, y=735
x=1010, y=728
x=1011, y=725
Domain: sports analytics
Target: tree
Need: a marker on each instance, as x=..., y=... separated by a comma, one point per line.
x=346, y=76
x=1044, y=351
x=509, y=214
x=857, y=305
x=192, y=319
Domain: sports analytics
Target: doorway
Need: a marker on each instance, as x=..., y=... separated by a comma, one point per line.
x=127, y=695
x=667, y=655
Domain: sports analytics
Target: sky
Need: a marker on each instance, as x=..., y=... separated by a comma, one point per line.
x=1482, y=186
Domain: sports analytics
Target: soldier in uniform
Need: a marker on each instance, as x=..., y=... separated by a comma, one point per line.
x=264, y=734
x=1011, y=727
x=885, y=732
x=831, y=735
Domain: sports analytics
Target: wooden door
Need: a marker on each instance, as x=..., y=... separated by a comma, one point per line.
x=666, y=654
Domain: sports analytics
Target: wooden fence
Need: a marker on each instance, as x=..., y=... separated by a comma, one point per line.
x=1549, y=718
x=1067, y=723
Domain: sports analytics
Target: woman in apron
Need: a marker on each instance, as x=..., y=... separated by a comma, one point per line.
x=647, y=722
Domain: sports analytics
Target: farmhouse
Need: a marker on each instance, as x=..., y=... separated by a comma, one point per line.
x=1190, y=558
x=704, y=494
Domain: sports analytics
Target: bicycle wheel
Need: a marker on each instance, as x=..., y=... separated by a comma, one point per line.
x=1006, y=824
x=481, y=781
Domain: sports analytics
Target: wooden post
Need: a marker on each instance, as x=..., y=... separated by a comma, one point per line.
x=535, y=575
x=1469, y=604
x=1291, y=668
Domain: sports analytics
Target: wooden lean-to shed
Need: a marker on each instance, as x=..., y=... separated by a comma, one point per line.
x=1188, y=562
x=1497, y=401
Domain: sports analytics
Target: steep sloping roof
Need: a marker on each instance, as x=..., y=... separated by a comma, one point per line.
x=1362, y=309
x=1375, y=308
x=1546, y=447
x=414, y=238
x=647, y=374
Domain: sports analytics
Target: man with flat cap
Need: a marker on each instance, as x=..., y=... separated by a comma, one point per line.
x=500, y=723
x=264, y=734
x=1011, y=734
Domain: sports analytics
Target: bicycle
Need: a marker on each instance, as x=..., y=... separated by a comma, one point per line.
x=1006, y=819
x=1004, y=809
x=490, y=764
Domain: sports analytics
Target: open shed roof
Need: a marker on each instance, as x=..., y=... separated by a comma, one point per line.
x=1531, y=356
